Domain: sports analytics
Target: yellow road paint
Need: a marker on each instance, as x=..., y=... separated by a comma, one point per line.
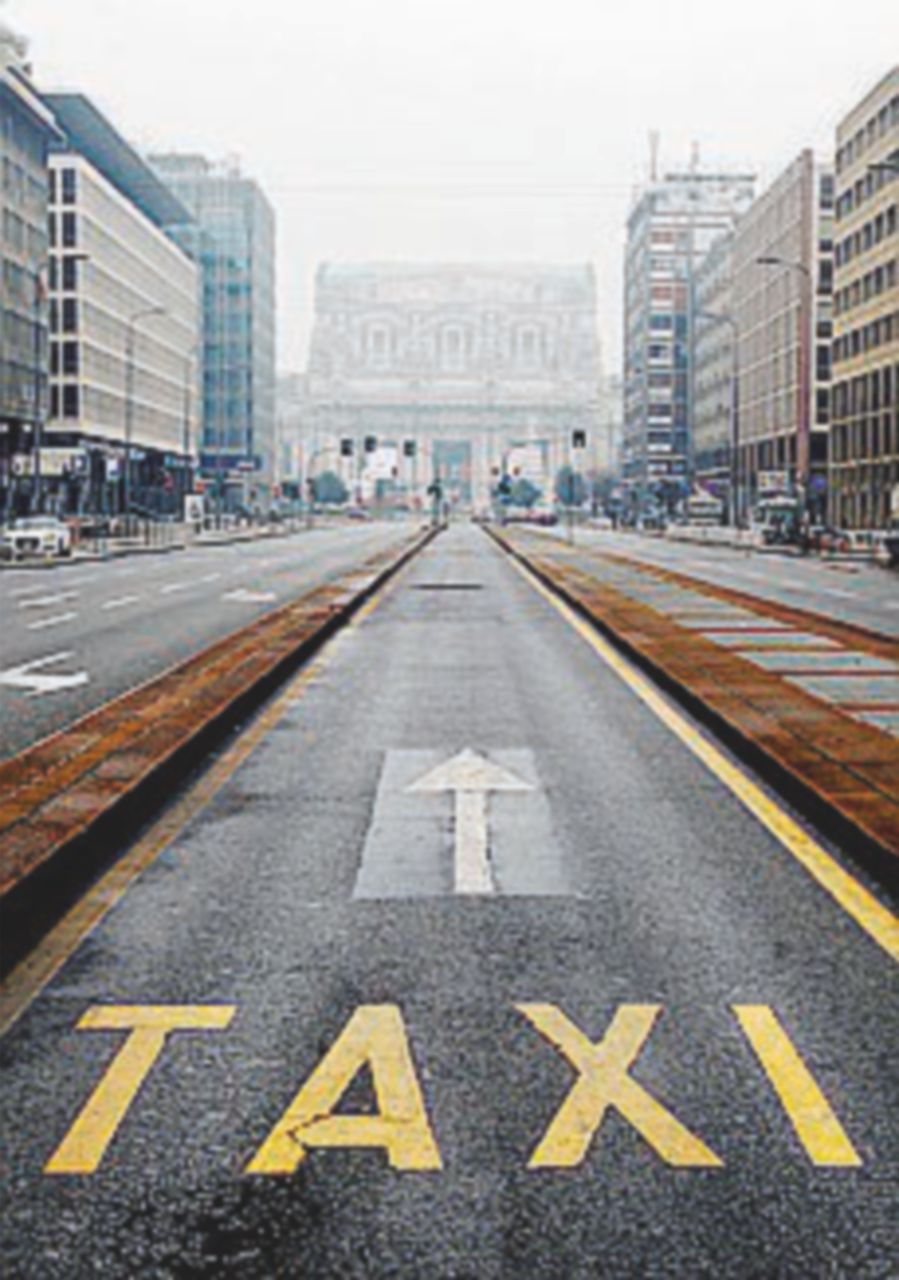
x=604, y=1081
x=86, y=1143
x=871, y=915
x=374, y=1037
x=809, y=1112
x=28, y=979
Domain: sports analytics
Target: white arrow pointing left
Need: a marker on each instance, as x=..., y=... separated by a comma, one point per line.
x=30, y=676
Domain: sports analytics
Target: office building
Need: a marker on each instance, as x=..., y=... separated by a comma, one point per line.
x=27, y=129
x=233, y=241
x=864, y=460
x=124, y=322
x=782, y=305
x=714, y=366
x=672, y=225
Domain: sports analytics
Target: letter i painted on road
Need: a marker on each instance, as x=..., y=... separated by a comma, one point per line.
x=84, y=1146
x=817, y=1128
x=603, y=1082
x=375, y=1037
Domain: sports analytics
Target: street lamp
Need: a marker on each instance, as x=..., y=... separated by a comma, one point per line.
x=133, y=320
x=40, y=294
x=189, y=359
x=803, y=451
x=723, y=317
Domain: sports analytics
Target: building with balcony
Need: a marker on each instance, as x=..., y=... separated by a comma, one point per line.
x=671, y=227
x=27, y=130
x=233, y=241
x=124, y=326
x=864, y=457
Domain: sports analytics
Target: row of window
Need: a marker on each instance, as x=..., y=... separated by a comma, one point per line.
x=63, y=186
x=65, y=401
x=878, y=125
x=867, y=337
x=871, y=234
x=870, y=285
x=871, y=438
x=63, y=230
x=868, y=392
x=63, y=274
x=22, y=237
x=864, y=188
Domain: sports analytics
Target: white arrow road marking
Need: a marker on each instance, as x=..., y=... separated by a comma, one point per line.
x=43, y=601
x=244, y=596
x=27, y=677
x=496, y=838
x=55, y=621
x=470, y=777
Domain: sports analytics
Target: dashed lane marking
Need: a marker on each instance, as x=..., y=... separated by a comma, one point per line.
x=44, y=602
x=121, y=602
x=56, y=621
x=858, y=902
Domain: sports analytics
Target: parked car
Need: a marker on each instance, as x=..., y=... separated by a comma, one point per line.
x=36, y=536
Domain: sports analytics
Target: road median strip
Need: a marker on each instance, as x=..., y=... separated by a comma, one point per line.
x=840, y=771
x=66, y=801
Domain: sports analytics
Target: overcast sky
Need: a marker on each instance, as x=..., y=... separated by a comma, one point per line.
x=464, y=129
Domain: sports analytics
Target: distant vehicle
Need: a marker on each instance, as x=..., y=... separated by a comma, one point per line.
x=703, y=509
x=777, y=520
x=36, y=536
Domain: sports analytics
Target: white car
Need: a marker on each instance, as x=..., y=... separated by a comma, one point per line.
x=35, y=536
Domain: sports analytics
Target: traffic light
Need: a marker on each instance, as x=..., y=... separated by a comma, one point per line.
x=371, y=444
x=409, y=449
x=346, y=447
x=578, y=439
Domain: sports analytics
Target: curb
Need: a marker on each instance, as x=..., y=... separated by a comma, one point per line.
x=72, y=801
x=875, y=846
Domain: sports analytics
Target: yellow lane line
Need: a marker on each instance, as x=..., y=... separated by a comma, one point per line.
x=871, y=915
x=40, y=966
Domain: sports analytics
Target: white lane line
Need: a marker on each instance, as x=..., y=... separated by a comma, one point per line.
x=835, y=591
x=43, y=601
x=191, y=582
x=27, y=591
x=56, y=621
x=121, y=602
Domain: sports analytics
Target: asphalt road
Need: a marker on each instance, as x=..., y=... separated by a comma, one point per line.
x=867, y=595
x=327, y=928
x=108, y=626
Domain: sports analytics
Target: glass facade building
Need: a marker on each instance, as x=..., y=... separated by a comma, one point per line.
x=233, y=239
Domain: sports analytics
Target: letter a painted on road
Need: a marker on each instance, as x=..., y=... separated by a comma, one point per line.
x=604, y=1081
x=375, y=1037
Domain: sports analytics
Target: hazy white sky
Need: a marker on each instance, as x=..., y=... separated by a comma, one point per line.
x=465, y=129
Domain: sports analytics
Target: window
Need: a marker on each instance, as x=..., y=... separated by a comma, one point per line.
x=70, y=273
x=70, y=360
x=71, y=401
x=69, y=186
x=69, y=231
x=69, y=315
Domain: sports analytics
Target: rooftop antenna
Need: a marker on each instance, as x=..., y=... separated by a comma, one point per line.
x=653, y=155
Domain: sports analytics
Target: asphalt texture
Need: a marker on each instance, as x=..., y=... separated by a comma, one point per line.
x=314, y=884
x=850, y=591
x=119, y=623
